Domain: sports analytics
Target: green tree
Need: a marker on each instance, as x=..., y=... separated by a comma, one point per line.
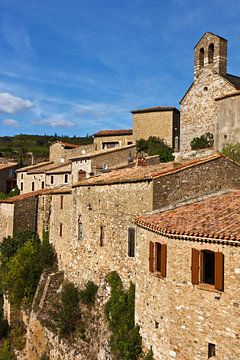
x=202, y=142
x=156, y=146
x=232, y=151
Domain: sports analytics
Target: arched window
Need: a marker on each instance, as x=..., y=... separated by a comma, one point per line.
x=201, y=57
x=210, y=53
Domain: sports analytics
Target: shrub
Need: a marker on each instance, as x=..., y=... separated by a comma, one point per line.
x=87, y=296
x=6, y=352
x=125, y=341
x=65, y=313
x=156, y=146
x=232, y=151
x=148, y=355
x=202, y=142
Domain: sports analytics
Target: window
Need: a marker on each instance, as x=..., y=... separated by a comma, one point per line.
x=111, y=144
x=211, y=350
x=33, y=186
x=158, y=258
x=60, y=229
x=102, y=235
x=21, y=176
x=42, y=184
x=208, y=268
x=201, y=57
x=21, y=186
x=210, y=53
x=131, y=242
x=61, y=202
x=80, y=230
x=65, y=178
x=51, y=179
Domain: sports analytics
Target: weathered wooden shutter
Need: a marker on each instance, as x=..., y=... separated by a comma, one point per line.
x=195, y=266
x=163, y=260
x=219, y=271
x=151, y=256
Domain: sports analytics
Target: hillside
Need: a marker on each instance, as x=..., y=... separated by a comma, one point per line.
x=19, y=147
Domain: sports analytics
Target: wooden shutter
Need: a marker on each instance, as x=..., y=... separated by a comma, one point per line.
x=163, y=260
x=151, y=256
x=195, y=266
x=219, y=271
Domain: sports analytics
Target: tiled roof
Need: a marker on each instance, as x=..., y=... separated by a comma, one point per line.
x=234, y=80
x=30, y=167
x=7, y=165
x=155, y=108
x=60, y=169
x=113, y=132
x=49, y=167
x=66, y=144
x=216, y=217
x=143, y=173
x=102, y=152
x=13, y=199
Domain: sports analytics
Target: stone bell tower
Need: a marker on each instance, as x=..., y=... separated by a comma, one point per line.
x=210, y=52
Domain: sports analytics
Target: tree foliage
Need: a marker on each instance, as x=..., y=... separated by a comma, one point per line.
x=156, y=146
x=202, y=142
x=125, y=341
x=232, y=151
x=22, y=259
x=87, y=296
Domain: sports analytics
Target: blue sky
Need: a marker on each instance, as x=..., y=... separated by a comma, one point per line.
x=78, y=66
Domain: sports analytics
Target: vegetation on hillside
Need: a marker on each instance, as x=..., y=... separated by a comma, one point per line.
x=18, y=147
x=232, y=151
x=202, y=142
x=155, y=146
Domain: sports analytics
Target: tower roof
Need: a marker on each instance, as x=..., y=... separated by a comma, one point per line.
x=210, y=33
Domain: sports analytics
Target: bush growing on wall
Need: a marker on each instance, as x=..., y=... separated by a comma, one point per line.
x=155, y=146
x=232, y=151
x=125, y=341
x=202, y=142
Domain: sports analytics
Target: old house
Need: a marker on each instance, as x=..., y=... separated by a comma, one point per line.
x=7, y=176
x=61, y=152
x=188, y=278
x=198, y=106
x=106, y=139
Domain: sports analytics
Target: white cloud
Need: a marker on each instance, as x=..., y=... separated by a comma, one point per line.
x=10, y=122
x=55, y=122
x=12, y=104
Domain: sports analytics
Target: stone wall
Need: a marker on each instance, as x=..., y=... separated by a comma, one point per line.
x=163, y=124
x=178, y=319
x=228, y=121
x=25, y=215
x=215, y=175
x=59, y=154
x=27, y=180
x=122, y=140
x=198, y=107
x=6, y=220
x=5, y=175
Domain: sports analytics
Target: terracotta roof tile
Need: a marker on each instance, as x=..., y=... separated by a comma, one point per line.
x=217, y=217
x=113, y=132
x=36, y=166
x=13, y=199
x=66, y=144
x=102, y=152
x=7, y=165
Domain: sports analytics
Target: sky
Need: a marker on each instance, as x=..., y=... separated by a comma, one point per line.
x=74, y=67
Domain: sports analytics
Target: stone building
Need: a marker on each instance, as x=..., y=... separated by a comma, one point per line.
x=160, y=121
x=188, y=277
x=106, y=139
x=211, y=80
x=60, y=152
x=93, y=228
x=7, y=176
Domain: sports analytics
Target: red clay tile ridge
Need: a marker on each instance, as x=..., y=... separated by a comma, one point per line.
x=102, y=152
x=30, y=167
x=215, y=219
x=67, y=145
x=113, y=132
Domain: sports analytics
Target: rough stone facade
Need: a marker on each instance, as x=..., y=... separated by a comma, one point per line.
x=162, y=122
x=228, y=120
x=61, y=152
x=178, y=319
x=6, y=220
x=106, y=142
x=198, y=106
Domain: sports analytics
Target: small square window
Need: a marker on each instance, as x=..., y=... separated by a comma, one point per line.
x=211, y=350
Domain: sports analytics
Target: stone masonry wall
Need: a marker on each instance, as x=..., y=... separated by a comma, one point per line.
x=123, y=141
x=219, y=174
x=6, y=220
x=179, y=319
x=156, y=123
x=58, y=154
x=198, y=108
x=228, y=121
x=25, y=215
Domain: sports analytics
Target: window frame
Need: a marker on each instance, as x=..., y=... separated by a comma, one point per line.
x=158, y=258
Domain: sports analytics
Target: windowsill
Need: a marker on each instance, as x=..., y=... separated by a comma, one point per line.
x=158, y=275
x=208, y=287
